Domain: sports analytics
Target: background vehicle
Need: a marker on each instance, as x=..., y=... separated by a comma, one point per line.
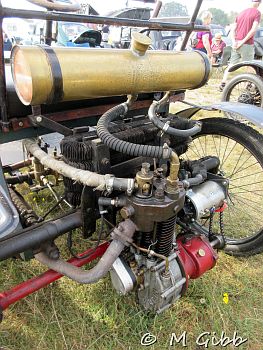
x=167, y=40
x=120, y=36
x=245, y=88
x=76, y=35
x=161, y=40
x=168, y=190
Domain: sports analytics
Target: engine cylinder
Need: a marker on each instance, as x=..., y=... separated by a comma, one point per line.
x=47, y=75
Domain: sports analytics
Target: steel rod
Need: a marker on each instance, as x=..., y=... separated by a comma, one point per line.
x=60, y=16
x=3, y=98
x=192, y=21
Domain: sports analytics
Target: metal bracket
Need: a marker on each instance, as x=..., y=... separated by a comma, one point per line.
x=101, y=155
x=37, y=119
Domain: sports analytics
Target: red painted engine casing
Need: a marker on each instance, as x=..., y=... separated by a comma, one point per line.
x=196, y=255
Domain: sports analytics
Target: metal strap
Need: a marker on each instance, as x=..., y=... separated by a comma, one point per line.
x=166, y=126
x=57, y=92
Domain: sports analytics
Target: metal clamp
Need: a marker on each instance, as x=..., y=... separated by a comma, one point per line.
x=166, y=126
x=109, y=184
x=166, y=151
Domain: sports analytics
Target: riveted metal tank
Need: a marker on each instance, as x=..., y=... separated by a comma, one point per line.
x=45, y=74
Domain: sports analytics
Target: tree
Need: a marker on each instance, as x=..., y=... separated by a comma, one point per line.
x=219, y=16
x=173, y=9
x=232, y=16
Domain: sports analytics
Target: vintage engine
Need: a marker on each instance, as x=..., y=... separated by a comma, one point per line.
x=158, y=265
x=160, y=262
x=154, y=265
x=128, y=165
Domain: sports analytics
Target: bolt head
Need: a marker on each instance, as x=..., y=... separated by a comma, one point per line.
x=201, y=252
x=145, y=168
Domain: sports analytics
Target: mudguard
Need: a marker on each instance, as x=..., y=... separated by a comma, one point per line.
x=246, y=111
x=256, y=64
x=9, y=218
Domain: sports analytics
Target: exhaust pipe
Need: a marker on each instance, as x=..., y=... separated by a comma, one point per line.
x=122, y=236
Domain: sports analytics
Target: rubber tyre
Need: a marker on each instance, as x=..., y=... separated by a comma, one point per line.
x=249, y=78
x=253, y=142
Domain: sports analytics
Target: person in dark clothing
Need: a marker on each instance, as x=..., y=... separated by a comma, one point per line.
x=7, y=42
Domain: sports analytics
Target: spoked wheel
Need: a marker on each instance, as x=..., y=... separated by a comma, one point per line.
x=71, y=6
x=240, y=150
x=244, y=88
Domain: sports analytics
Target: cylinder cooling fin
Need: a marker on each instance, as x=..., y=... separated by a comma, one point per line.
x=165, y=236
x=77, y=149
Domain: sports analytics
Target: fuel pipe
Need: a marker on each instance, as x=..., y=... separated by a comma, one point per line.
x=165, y=126
x=132, y=149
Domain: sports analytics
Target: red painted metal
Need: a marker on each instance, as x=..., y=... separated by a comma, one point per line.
x=221, y=209
x=30, y=286
x=196, y=255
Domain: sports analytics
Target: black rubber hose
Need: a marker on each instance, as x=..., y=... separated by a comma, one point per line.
x=34, y=238
x=211, y=163
x=129, y=148
x=19, y=179
x=168, y=129
x=193, y=181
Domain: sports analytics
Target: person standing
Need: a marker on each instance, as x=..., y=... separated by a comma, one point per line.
x=242, y=34
x=205, y=38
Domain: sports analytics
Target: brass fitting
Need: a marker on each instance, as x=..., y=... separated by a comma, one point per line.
x=140, y=43
x=38, y=171
x=172, y=179
x=144, y=180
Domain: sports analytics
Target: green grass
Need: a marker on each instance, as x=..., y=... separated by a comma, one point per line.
x=69, y=316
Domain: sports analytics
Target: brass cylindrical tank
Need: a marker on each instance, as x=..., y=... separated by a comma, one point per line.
x=47, y=75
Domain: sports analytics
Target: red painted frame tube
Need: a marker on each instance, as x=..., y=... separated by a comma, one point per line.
x=30, y=286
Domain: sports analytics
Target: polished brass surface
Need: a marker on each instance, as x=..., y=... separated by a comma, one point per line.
x=140, y=43
x=144, y=180
x=172, y=179
x=89, y=73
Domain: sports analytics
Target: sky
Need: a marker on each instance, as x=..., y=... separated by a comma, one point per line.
x=103, y=6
